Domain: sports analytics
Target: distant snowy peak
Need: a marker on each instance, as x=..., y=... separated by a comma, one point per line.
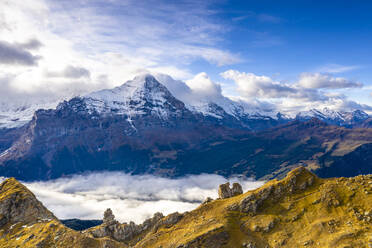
x=356, y=115
x=218, y=109
x=311, y=114
x=341, y=118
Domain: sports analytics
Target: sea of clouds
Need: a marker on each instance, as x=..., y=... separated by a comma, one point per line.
x=131, y=197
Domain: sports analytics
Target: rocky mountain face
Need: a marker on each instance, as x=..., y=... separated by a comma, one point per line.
x=25, y=222
x=300, y=210
x=19, y=204
x=131, y=233
x=141, y=127
x=149, y=126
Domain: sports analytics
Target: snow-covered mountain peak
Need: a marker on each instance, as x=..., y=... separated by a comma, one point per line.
x=137, y=87
x=321, y=114
x=142, y=95
x=144, y=81
x=341, y=118
x=360, y=114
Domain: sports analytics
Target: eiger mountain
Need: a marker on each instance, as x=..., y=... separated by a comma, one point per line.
x=141, y=127
x=301, y=210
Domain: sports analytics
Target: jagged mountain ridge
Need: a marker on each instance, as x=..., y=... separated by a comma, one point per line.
x=101, y=133
x=301, y=210
x=127, y=99
x=145, y=95
x=140, y=127
x=25, y=222
x=354, y=118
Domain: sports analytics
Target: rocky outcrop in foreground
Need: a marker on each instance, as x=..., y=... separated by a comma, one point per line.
x=18, y=204
x=25, y=222
x=224, y=190
x=128, y=232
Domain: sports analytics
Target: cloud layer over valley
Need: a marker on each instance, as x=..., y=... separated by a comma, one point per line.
x=131, y=197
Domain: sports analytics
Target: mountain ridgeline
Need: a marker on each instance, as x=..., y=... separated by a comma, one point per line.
x=141, y=127
x=301, y=210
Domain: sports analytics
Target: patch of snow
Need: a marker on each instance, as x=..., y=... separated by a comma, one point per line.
x=13, y=118
x=4, y=153
x=28, y=227
x=11, y=227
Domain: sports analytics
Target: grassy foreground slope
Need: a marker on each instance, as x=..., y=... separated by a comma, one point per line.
x=25, y=222
x=300, y=210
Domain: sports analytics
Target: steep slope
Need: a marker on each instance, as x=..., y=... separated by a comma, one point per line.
x=130, y=128
x=19, y=204
x=300, y=210
x=143, y=95
x=8, y=136
x=25, y=222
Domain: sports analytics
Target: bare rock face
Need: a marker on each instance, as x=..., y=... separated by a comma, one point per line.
x=125, y=232
x=224, y=190
x=330, y=197
x=108, y=217
x=208, y=199
x=236, y=189
x=18, y=204
x=170, y=219
x=297, y=180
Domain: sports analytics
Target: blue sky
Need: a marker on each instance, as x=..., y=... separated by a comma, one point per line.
x=294, y=54
x=289, y=37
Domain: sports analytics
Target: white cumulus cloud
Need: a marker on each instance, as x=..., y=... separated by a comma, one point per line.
x=326, y=81
x=311, y=90
x=66, y=48
x=251, y=85
x=203, y=86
